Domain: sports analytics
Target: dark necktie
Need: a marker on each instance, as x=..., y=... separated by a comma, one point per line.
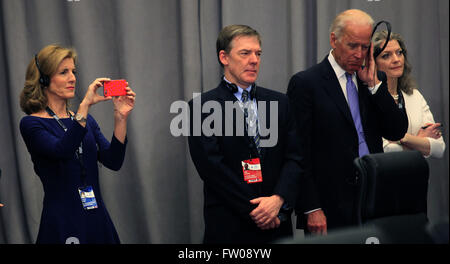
x=251, y=119
x=353, y=102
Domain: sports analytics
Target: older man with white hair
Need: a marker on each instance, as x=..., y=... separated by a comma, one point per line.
x=343, y=111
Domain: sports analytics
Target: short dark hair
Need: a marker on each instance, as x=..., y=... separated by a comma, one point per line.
x=228, y=33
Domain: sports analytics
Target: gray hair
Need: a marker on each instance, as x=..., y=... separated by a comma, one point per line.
x=351, y=15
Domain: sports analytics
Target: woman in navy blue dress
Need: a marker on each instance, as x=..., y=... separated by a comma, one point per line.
x=65, y=147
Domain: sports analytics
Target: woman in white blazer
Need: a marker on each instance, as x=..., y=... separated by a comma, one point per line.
x=423, y=133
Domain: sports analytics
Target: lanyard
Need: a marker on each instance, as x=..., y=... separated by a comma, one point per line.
x=79, y=151
x=401, y=101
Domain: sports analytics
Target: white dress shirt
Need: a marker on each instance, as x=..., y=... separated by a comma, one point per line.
x=340, y=74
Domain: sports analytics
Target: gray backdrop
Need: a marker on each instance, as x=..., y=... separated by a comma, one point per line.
x=166, y=51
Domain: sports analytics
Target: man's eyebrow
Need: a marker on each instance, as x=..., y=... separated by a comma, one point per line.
x=250, y=50
x=358, y=43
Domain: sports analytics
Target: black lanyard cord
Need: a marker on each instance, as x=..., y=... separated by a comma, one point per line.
x=79, y=151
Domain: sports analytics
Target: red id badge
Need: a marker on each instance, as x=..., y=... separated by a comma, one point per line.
x=252, y=170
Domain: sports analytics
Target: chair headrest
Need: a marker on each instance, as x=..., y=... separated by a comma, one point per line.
x=393, y=183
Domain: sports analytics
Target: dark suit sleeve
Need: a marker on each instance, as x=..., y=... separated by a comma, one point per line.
x=291, y=173
x=300, y=97
x=216, y=175
x=392, y=122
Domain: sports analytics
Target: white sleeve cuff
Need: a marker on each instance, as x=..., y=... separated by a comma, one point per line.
x=312, y=211
x=437, y=147
x=374, y=89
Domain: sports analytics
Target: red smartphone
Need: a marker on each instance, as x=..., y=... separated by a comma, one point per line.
x=114, y=88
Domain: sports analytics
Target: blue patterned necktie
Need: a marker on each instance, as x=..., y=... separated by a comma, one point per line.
x=353, y=102
x=252, y=120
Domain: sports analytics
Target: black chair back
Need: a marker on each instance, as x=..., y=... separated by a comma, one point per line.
x=390, y=184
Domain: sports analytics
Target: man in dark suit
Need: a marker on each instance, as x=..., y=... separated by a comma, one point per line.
x=343, y=110
x=250, y=183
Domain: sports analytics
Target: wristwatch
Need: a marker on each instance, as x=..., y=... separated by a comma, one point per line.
x=285, y=212
x=80, y=118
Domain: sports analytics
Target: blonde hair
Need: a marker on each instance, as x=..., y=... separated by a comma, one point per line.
x=33, y=98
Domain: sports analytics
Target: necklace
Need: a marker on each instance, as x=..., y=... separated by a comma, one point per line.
x=395, y=96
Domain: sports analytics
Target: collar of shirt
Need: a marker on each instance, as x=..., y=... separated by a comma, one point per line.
x=238, y=94
x=340, y=74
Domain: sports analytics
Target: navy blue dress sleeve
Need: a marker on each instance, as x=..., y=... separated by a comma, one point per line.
x=111, y=155
x=48, y=141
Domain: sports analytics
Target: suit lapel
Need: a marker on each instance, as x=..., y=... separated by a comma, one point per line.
x=261, y=96
x=224, y=95
x=333, y=89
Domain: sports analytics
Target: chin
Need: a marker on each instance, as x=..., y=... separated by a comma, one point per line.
x=393, y=74
x=353, y=68
x=399, y=74
x=250, y=80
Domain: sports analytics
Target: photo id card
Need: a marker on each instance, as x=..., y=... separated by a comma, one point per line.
x=87, y=197
x=252, y=170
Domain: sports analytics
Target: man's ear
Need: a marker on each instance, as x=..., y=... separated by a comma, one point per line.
x=333, y=40
x=223, y=57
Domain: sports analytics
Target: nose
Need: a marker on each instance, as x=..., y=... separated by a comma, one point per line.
x=254, y=58
x=360, y=53
x=396, y=58
x=72, y=77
